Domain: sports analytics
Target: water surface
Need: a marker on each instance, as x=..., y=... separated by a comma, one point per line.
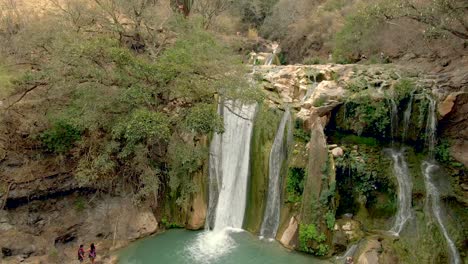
x=173, y=247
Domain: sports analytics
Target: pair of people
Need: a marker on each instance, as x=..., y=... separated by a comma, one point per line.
x=91, y=255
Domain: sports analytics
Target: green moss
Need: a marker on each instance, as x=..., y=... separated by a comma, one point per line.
x=364, y=115
x=265, y=126
x=295, y=184
x=300, y=134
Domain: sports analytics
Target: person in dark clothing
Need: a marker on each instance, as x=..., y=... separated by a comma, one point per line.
x=81, y=254
x=92, y=253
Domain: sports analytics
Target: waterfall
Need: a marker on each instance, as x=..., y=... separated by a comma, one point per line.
x=269, y=59
x=393, y=118
x=229, y=166
x=400, y=169
x=431, y=126
x=433, y=196
x=278, y=154
x=407, y=116
x=310, y=90
x=401, y=172
x=349, y=253
x=229, y=171
x=429, y=168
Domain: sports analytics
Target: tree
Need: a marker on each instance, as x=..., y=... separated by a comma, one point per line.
x=209, y=9
x=438, y=15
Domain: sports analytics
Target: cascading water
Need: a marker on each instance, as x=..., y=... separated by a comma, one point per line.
x=431, y=126
x=407, y=116
x=278, y=154
x=429, y=167
x=433, y=196
x=229, y=171
x=310, y=90
x=393, y=118
x=401, y=172
x=400, y=169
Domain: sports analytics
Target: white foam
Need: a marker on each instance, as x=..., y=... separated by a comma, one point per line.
x=209, y=246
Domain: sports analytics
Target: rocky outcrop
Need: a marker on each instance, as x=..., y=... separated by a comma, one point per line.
x=454, y=124
x=289, y=237
x=50, y=231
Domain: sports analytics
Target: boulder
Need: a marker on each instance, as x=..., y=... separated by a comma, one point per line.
x=370, y=252
x=289, y=237
x=446, y=106
x=144, y=224
x=337, y=152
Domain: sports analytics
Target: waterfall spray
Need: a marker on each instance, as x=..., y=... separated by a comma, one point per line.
x=229, y=171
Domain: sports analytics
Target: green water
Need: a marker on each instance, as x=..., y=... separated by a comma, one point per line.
x=172, y=248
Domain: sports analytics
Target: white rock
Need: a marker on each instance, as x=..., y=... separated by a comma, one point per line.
x=337, y=152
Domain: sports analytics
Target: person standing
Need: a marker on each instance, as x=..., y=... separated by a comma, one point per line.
x=81, y=254
x=92, y=253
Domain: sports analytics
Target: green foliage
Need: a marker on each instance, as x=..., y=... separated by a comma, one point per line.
x=330, y=219
x=311, y=241
x=142, y=126
x=403, y=89
x=321, y=101
x=169, y=225
x=351, y=139
x=442, y=154
x=299, y=131
x=295, y=184
x=204, y=119
x=312, y=61
x=365, y=115
x=80, y=204
x=357, y=85
x=357, y=35
x=185, y=160
x=60, y=137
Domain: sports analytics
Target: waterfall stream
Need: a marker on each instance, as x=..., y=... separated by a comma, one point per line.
x=401, y=172
x=229, y=171
x=429, y=167
x=433, y=197
x=400, y=169
x=407, y=117
x=278, y=154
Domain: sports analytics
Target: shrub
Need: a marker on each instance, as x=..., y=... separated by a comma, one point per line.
x=321, y=101
x=312, y=61
x=311, y=241
x=330, y=219
x=295, y=184
x=299, y=131
x=60, y=137
x=204, y=119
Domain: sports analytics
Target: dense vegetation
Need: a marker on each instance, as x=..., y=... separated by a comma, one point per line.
x=126, y=104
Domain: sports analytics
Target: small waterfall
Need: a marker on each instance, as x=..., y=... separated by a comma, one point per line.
x=431, y=126
x=407, y=116
x=393, y=118
x=433, y=196
x=278, y=154
x=229, y=171
x=429, y=168
x=400, y=169
x=310, y=90
x=269, y=59
x=349, y=253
